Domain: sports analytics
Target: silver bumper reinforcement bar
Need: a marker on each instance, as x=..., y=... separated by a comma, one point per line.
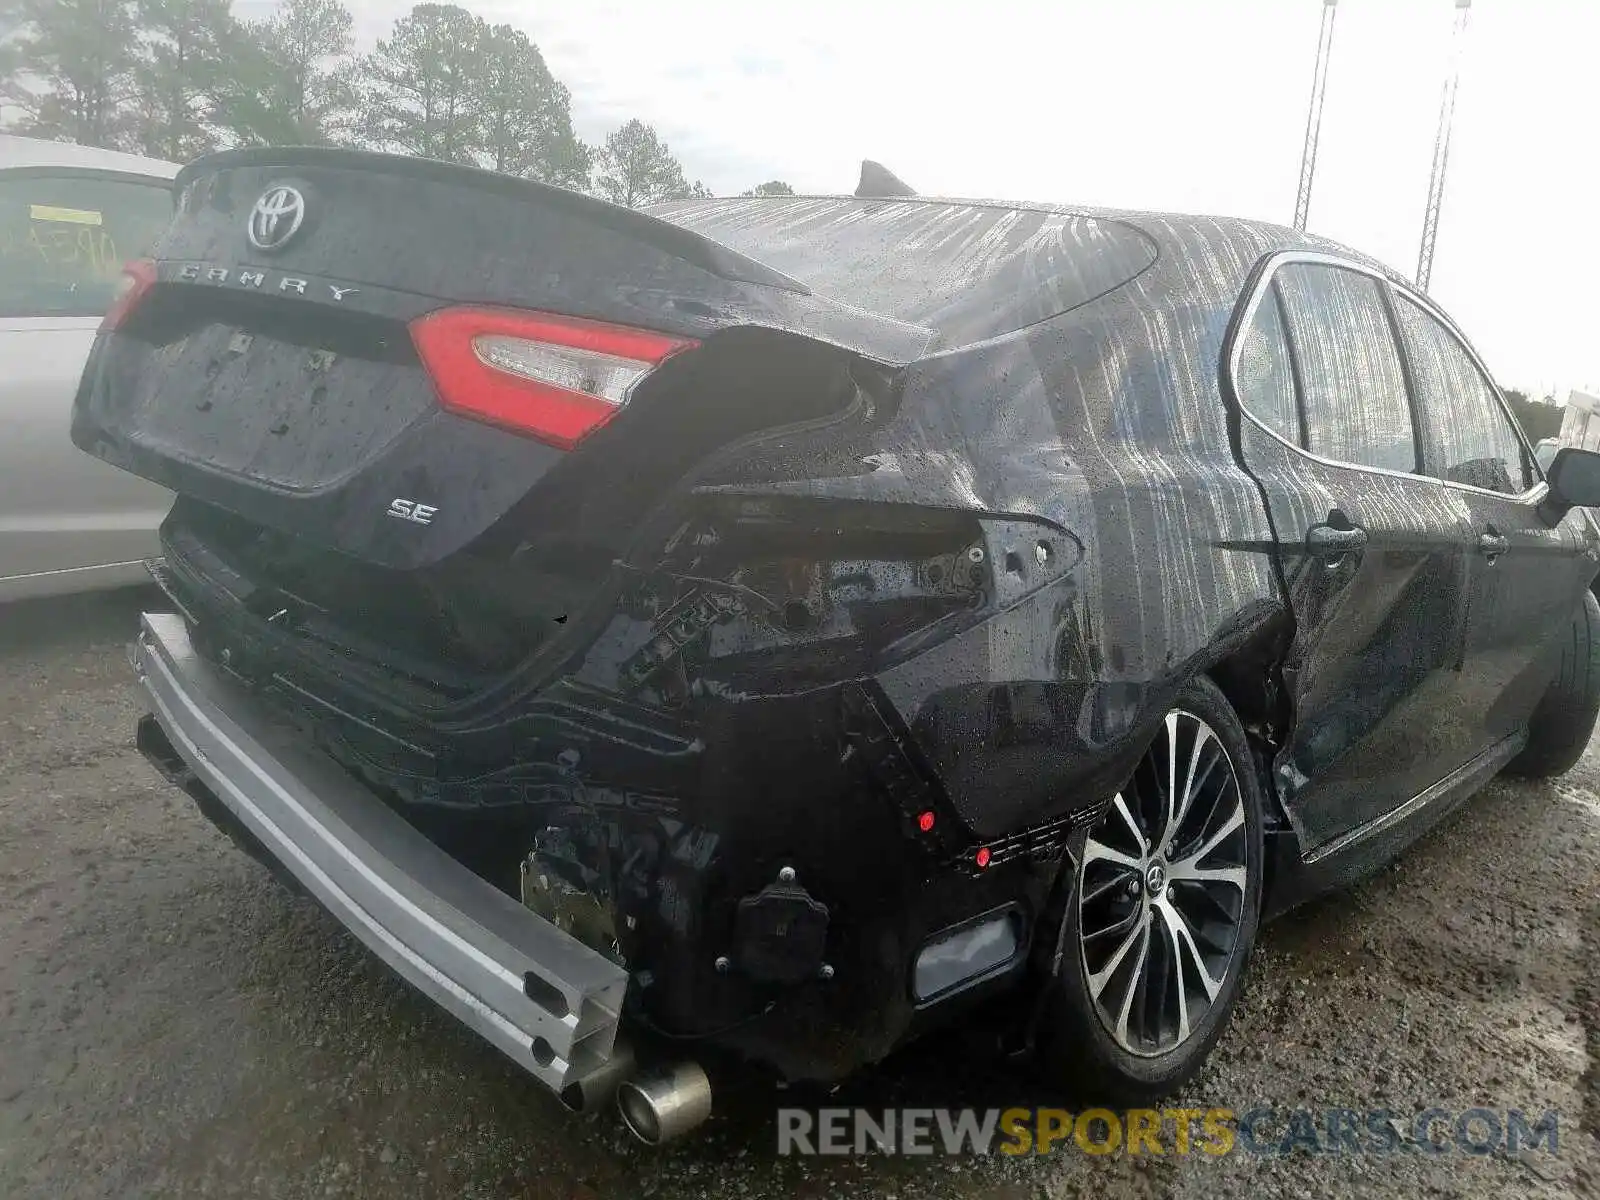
x=541, y=996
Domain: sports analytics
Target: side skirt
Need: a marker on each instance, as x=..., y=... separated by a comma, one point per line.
x=1297, y=877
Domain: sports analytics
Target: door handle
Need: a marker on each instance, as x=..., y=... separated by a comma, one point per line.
x=1326, y=541
x=1492, y=544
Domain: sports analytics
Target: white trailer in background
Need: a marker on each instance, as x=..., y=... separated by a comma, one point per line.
x=1580, y=427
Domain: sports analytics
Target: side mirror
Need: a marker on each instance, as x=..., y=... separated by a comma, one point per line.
x=1574, y=477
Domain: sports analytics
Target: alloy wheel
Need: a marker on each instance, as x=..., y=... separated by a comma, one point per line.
x=1161, y=893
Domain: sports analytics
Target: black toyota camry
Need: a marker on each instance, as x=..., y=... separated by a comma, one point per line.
x=771, y=625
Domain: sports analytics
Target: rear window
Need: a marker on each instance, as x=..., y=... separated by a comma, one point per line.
x=970, y=271
x=64, y=237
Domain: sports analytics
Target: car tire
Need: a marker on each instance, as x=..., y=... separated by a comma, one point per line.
x=1560, y=728
x=1099, y=1032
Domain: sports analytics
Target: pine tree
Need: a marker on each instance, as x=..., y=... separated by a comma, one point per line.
x=69, y=67
x=636, y=168
x=523, y=115
x=293, y=82
x=420, y=85
x=187, y=48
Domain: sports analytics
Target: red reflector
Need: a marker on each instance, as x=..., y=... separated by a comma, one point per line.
x=925, y=821
x=138, y=277
x=982, y=857
x=555, y=378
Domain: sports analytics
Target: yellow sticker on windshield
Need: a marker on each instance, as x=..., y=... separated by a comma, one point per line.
x=72, y=216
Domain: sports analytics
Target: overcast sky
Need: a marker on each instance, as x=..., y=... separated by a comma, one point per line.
x=1193, y=106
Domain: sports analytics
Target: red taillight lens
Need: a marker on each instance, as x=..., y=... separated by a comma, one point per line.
x=138, y=277
x=555, y=378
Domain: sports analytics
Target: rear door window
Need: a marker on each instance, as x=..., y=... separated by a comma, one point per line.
x=1469, y=432
x=1265, y=378
x=1356, y=406
x=64, y=236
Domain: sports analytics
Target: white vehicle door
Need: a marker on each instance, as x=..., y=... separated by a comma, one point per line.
x=67, y=520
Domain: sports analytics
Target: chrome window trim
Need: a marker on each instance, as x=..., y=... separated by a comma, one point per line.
x=1267, y=268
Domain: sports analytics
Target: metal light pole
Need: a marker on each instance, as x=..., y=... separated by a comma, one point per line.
x=1441, y=148
x=1319, y=85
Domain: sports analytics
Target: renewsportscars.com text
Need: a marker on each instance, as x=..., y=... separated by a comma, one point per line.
x=1166, y=1131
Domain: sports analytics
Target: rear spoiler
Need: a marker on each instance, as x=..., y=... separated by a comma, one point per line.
x=696, y=285
x=671, y=239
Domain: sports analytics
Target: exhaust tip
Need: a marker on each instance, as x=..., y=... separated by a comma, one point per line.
x=665, y=1102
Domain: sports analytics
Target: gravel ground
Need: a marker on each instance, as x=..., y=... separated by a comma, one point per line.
x=173, y=1023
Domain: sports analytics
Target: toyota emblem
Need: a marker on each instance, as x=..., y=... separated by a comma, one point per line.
x=276, y=217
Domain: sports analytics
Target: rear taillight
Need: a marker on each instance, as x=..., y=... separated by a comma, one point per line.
x=138, y=277
x=555, y=378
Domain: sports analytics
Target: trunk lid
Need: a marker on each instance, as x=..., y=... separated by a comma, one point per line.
x=270, y=370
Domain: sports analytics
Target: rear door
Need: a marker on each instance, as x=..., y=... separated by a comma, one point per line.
x=1373, y=553
x=1526, y=572
x=64, y=235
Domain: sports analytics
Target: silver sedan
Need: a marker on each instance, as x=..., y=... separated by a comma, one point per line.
x=70, y=216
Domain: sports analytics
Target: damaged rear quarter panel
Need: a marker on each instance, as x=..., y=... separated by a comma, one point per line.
x=1106, y=422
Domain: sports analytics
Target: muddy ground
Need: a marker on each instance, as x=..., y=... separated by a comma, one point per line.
x=174, y=1023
